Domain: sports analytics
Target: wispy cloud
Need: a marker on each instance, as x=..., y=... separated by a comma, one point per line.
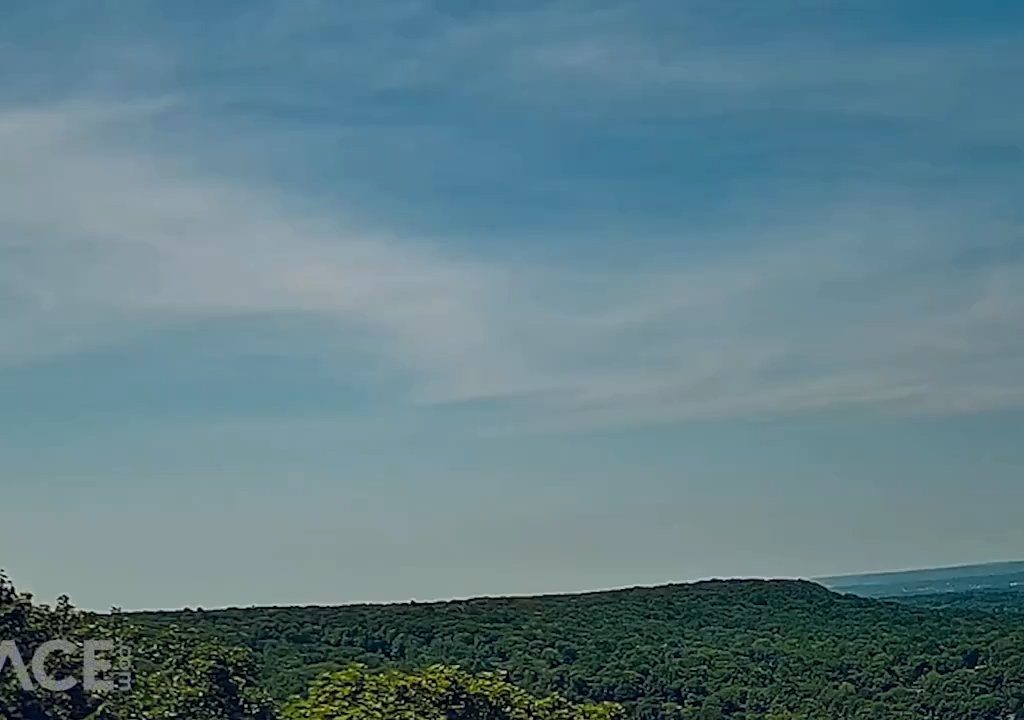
x=864, y=302
x=886, y=270
x=102, y=238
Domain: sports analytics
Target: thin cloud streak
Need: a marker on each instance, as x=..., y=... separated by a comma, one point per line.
x=102, y=239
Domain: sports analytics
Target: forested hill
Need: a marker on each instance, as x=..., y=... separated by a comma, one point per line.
x=745, y=649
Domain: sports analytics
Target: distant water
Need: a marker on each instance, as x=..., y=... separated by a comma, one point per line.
x=1001, y=576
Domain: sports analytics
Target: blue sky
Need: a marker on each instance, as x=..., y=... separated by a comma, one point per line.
x=318, y=301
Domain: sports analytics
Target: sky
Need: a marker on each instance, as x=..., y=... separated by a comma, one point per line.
x=305, y=301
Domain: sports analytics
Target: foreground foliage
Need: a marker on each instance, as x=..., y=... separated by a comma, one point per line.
x=176, y=675
x=438, y=693
x=736, y=649
x=29, y=625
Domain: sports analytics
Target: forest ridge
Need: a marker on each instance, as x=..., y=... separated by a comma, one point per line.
x=716, y=649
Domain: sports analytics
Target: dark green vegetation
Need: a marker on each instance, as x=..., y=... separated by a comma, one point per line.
x=180, y=674
x=177, y=675
x=736, y=649
x=992, y=577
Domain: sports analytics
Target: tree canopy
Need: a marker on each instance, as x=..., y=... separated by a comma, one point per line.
x=725, y=649
x=749, y=650
x=176, y=674
x=436, y=693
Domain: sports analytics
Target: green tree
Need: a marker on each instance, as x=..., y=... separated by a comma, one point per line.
x=177, y=675
x=438, y=693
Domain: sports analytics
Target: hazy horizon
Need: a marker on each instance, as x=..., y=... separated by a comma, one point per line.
x=543, y=593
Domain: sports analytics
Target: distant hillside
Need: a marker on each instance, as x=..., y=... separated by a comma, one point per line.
x=990, y=601
x=1003, y=576
x=718, y=649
